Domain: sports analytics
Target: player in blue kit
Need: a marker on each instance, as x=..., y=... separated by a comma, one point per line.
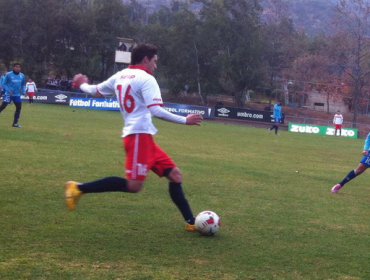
x=277, y=117
x=2, y=78
x=14, y=85
x=362, y=166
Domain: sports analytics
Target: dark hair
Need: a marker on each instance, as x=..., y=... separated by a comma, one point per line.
x=17, y=63
x=143, y=50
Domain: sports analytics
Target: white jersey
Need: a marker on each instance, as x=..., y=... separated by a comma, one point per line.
x=31, y=87
x=136, y=90
x=338, y=119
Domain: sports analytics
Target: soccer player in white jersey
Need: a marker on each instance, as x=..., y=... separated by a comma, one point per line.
x=140, y=98
x=30, y=90
x=338, y=122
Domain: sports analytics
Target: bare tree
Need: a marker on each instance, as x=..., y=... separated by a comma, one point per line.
x=351, y=47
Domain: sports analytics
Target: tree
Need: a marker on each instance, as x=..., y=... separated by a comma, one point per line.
x=278, y=29
x=185, y=51
x=350, y=46
x=236, y=40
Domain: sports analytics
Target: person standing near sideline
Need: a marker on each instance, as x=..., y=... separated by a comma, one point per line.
x=31, y=89
x=14, y=85
x=277, y=117
x=338, y=122
x=139, y=97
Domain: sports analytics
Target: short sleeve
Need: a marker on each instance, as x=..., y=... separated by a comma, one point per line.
x=151, y=93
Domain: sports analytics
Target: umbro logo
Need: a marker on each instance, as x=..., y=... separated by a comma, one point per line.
x=61, y=97
x=223, y=111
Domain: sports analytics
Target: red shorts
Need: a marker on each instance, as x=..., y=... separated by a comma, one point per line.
x=338, y=126
x=142, y=155
x=31, y=94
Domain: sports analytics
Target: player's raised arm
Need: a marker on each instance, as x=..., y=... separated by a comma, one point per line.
x=79, y=80
x=102, y=89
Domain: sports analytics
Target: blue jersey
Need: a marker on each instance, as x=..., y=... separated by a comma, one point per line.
x=14, y=82
x=367, y=143
x=277, y=111
x=2, y=80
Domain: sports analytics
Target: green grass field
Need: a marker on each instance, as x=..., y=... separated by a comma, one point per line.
x=276, y=223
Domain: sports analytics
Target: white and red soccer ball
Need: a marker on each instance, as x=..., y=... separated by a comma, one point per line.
x=207, y=223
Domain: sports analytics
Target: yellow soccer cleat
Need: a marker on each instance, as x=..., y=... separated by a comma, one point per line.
x=189, y=227
x=72, y=194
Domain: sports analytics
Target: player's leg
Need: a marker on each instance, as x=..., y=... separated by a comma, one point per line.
x=276, y=128
x=6, y=101
x=178, y=197
x=18, y=107
x=165, y=167
x=136, y=156
x=30, y=96
x=74, y=190
x=362, y=166
x=336, y=130
x=272, y=127
x=3, y=106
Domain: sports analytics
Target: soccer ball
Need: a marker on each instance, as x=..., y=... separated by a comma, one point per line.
x=207, y=223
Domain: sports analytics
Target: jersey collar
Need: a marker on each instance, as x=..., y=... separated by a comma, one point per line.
x=140, y=67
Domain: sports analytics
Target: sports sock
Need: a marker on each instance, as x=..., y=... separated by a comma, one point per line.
x=107, y=184
x=17, y=113
x=178, y=197
x=272, y=127
x=276, y=129
x=351, y=175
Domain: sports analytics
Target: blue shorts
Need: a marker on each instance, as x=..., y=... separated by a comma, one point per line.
x=277, y=120
x=7, y=99
x=366, y=160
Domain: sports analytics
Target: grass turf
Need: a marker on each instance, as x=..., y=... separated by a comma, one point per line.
x=276, y=223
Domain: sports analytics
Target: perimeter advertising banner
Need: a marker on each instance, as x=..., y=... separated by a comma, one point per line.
x=95, y=103
x=184, y=110
x=322, y=130
x=112, y=104
x=245, y=114
x=50, y=96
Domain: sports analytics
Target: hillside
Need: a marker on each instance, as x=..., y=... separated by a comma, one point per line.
x=312, y=16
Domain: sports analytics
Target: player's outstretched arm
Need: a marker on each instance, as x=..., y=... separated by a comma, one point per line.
x=160, y=113
x=81, y=81
x=193, y=119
